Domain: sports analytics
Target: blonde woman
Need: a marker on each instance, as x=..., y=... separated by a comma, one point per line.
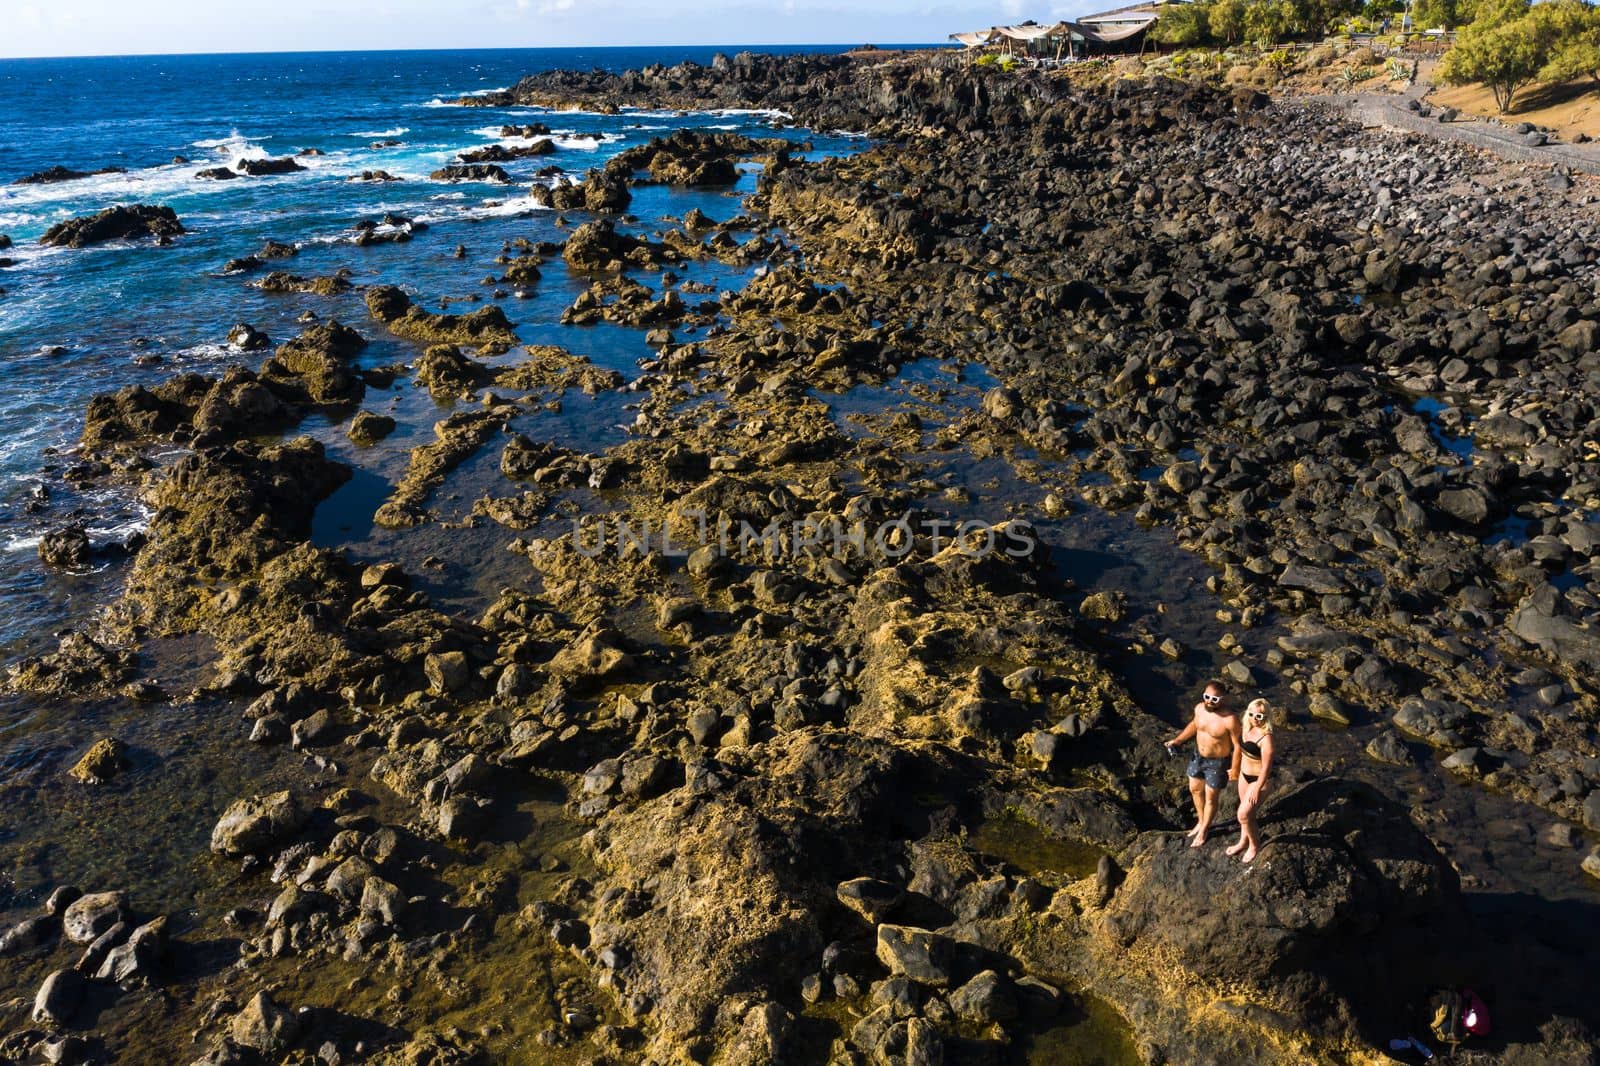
x=1254, y=774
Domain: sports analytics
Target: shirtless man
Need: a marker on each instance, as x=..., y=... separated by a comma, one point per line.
x=1216, y=731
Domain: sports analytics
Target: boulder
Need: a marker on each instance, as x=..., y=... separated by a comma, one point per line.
x=1542, y=619
x=472, y=172
x=260, y=168
x=988, y=997
x=67, y=548
x=27, y=935
x=874, y=900
x=258, y=824
x=367, y=429
x=265, y=1027
x=56, y=174
x=1344, y=899
x=58, y=998
x=89, y=916
x=923, y=956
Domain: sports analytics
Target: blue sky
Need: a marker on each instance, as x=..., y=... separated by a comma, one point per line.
x=119, y=27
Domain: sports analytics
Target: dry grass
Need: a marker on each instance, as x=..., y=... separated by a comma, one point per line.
x=1570, y=108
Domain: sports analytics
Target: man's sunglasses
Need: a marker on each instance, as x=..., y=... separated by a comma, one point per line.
x=1211, y=699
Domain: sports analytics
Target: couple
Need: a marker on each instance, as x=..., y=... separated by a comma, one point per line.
x=1227, y=752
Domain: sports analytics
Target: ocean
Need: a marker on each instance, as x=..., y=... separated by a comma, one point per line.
x=77, y=322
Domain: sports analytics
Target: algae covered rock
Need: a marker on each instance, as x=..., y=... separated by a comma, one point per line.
x=485, y=328
x=367, y=428
x=103, y=761
x=258, y=823
x=316, y=365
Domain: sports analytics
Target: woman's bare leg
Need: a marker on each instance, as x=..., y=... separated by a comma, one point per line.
x=1235, y=849
x=1247, y=820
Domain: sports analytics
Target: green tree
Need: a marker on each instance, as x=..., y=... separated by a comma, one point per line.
x=1505, y=48
x=1225, y=20
x=1320, y=17
x=1574, y=29
x=1578, y=59
x=1268, y=21
x=1182, y=24
x=1431, y=14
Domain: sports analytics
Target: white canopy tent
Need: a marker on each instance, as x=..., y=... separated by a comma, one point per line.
x=1033, y=37
x=974, y=38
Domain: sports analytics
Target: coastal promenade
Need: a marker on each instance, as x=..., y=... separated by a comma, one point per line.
x=1410, y=112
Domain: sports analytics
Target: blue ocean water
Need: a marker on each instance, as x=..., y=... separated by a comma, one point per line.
x=77, y=322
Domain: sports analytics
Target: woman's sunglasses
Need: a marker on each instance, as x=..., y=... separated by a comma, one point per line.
x=1257, y=716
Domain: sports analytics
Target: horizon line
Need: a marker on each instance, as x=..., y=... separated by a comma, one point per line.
x=745, y=46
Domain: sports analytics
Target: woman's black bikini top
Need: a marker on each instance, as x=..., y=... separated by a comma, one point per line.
x=1251, y=748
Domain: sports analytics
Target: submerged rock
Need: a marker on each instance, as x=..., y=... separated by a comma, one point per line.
x=103, y=761
x=367, y=428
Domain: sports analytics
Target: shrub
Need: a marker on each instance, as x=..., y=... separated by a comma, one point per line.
x=1279, y=60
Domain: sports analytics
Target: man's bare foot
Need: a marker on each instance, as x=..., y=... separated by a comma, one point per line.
x=1201, y=839
x=1250, y=853
x=1237, y=848
x=1193, y=831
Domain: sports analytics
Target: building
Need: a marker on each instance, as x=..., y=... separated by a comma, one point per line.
x=1118, y=31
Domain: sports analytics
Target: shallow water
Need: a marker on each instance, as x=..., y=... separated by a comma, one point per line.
x=122, y=314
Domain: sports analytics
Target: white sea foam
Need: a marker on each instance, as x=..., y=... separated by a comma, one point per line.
x=720, y=112
x=397, y=131
x=587, y=144
x=220, y=142
x=438, y=102
x=561, y=138
x=121, y=532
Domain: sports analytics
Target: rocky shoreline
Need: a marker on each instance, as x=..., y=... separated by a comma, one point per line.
x=729, y=806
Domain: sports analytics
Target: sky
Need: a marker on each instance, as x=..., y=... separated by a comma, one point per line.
x=128, y=27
